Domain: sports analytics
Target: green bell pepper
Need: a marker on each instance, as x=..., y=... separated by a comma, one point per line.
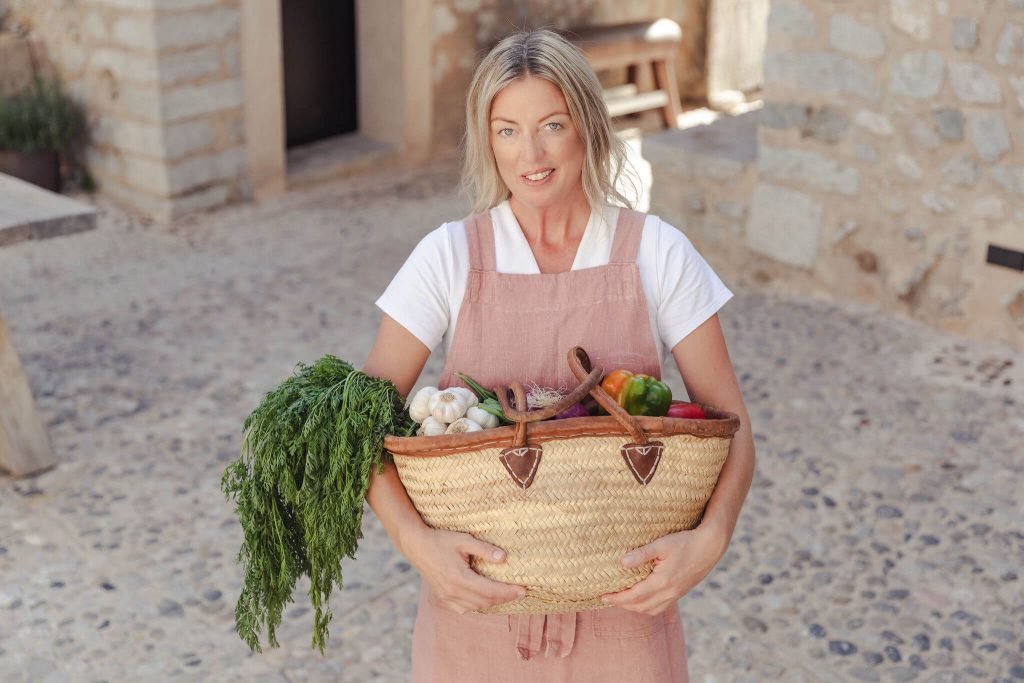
x=645, y=395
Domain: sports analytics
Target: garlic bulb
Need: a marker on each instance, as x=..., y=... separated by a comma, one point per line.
x=462, y=426
x=433, y=427
x=447, y=406
x=471, y=399
x=419, y=408
x=482, y=417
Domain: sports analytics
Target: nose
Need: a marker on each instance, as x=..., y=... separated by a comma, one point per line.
x=532, y=148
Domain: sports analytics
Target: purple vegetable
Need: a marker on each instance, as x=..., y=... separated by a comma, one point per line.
x=575, y=410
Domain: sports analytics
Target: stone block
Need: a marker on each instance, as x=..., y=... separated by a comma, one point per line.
x=972, y=83
x=790, y=20
x=856, y=38
x=965, y=34
x=134, y=31
x=124, y=66
x=194, y=100
x=1010, y=44
x=912, y=17
x=180, y=31
x=879, y=124
x=198, y=201
x=203, y=170
x=183, y=5
x=1010, y=178
x=908, y=167
x=937, y=203
x=961, y=170
x=17, y=71
x=785, y=225
x=1017, y=82
x=186, y=66
x=950, y=123
x=808, y=168
x=182, y=139
x=989, y=134
x=918, y=74
x=989, y=206
x=145, y=139
x=821, y=72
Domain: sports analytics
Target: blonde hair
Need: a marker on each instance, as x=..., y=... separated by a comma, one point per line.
x=545, y=54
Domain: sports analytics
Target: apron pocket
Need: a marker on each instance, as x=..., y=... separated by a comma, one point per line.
x=617, y=622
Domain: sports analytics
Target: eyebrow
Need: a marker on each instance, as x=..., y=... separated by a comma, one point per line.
x=554, y=113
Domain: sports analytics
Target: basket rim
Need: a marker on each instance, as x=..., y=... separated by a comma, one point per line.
x=719, y=423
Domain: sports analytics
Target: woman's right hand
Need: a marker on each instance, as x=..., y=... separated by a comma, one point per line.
x=442, y=559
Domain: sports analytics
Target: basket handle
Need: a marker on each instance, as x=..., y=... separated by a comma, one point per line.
x=590, y=383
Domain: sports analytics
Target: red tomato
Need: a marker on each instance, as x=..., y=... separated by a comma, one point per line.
x=686, y=410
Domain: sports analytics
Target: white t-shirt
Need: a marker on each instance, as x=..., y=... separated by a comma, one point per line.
x=681, y=288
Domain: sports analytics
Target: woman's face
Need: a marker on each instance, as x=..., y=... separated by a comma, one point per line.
x=537, y=149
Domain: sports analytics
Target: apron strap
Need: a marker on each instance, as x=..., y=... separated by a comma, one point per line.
x=480, y=238
x=628, y=231
x=531, y=629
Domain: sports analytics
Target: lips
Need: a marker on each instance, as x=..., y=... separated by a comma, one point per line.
x=538, y=176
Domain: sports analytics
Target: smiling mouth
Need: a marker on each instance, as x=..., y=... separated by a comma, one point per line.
x=540, y=175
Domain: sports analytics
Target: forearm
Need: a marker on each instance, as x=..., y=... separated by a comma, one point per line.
x=723, y=510
x=390, y=502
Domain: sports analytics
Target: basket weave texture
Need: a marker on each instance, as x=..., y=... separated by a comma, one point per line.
x=565, y=534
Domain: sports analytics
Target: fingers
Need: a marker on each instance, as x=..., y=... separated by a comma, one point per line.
x=482, y=549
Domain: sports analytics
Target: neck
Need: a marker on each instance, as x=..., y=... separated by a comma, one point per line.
x=553, y=225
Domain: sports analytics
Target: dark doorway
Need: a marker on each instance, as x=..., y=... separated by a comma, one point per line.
x=319, y=69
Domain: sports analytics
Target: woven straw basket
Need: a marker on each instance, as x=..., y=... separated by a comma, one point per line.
x=566, y=498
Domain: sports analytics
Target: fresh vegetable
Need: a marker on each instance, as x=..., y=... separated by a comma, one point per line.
x=447, y=406
x=462, y=426
x=613, y=381
x=542, y=397
x=481, y=393
x=638, y=394
x=645, y=395
x=419, y=408
x=482, y=417
x=686, y=410
x=432, y=427
x=575, y=410
x=299, y=487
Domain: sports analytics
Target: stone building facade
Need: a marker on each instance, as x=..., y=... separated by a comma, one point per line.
x=185, y=96
x=887, y=157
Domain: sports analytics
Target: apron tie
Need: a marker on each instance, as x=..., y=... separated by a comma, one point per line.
x=530, y=631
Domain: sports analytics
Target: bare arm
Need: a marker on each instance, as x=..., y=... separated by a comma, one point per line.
x=703, y=361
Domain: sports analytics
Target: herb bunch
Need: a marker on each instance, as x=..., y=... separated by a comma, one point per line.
x=299, y=487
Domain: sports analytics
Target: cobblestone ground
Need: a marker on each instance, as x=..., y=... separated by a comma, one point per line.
x=882, y=539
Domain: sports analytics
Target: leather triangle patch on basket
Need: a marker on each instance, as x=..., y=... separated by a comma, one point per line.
x=643, y=459
x=522, y=464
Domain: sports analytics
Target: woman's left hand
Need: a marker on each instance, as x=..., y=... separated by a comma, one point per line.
x=681, y=561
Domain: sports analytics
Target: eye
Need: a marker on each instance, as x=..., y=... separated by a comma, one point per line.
x=554, y=125
x=505, y=132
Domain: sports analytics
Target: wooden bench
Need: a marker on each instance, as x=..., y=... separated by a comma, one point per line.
x=640, y=47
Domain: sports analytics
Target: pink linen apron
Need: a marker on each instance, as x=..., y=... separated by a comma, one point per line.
x=521, y=327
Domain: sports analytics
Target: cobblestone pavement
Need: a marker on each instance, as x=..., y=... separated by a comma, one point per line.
x=882, y=539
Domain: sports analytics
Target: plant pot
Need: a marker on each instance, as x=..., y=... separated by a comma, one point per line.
x=38, y=168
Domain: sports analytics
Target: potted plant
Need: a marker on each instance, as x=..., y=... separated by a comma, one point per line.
x=36, y=126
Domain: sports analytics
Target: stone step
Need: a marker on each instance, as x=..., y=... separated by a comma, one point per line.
x=28, y=211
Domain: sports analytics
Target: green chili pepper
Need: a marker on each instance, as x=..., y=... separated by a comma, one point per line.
x=645, y=395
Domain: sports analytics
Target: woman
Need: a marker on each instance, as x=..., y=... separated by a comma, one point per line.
x=545, y=263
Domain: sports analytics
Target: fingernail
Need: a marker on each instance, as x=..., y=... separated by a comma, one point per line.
x=628, y=560
x=496, y=554
x=605, y=600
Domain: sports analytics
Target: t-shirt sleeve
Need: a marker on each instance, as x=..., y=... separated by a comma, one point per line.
x=691, y=292
x=417, y=297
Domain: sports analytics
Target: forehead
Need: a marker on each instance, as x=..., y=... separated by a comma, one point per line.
x=528, y=96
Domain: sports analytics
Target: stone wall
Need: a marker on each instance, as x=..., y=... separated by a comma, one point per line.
x=890, y=154
x=162, y=86
x=464, y=29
